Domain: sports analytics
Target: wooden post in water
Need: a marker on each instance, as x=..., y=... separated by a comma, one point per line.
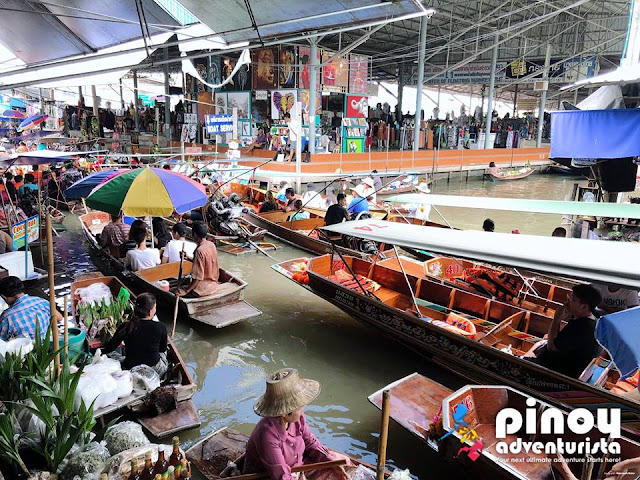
x=52, y=294
x=384, y=432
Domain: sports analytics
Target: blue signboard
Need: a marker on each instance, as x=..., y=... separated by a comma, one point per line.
x=219, y=124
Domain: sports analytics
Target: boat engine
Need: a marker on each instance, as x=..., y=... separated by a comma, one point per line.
x=360, y=244
x=224, y=215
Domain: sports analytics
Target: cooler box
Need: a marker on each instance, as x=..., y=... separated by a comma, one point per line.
x=14, y=262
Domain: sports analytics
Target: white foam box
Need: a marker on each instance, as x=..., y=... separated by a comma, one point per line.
x=14, y=263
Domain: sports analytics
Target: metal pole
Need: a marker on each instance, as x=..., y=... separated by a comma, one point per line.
x=313, y=87
x=422, y=47
x=95, y=102
x=195, y=97
x=543, y=97
x=135, y=100
x=167, y=98
x=492, y=84
x=515, y=100
x=400, y=87
x=575, y=96
x=121, y=98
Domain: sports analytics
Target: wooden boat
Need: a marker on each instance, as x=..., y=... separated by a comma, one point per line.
x=57, y=217
x=425, y=408
x=536, y=296
x=440, y=329
x=504, y=174
x=390, y=191
x=211, y=455
x=185, y=416
x=224, y=307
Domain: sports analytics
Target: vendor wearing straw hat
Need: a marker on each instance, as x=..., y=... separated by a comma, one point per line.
x=282, y=439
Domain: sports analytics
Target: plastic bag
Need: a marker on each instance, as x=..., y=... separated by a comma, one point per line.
x=96, y=292
x=362, y=473
x=400, y=474
x=124, y=436
x=103, y=365
x=108, y=390
x=21, y=344
x=86, y=391
x=29, y=422
x=145, y=379
x=91, y=459
x=124, y=382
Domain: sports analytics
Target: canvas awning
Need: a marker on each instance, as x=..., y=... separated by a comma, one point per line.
x=590, y=260
x=595, y=133
x=43, y=157
x=587, y=209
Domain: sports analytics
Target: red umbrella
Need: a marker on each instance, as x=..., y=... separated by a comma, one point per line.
x=31, y=122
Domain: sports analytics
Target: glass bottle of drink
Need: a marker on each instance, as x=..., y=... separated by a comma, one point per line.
x=158, y=477
x=171, y=472
x=161, y=465
x=147, y=471
x=176, y=457
x=185, y=474
x=134, y=475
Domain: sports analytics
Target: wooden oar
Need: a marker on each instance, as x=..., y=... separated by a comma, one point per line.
x=175, y=308
x=298, y=468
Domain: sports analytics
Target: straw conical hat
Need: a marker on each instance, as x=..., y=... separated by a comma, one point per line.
x=286, y=392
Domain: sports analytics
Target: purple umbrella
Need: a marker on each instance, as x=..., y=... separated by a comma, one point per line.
x=31, y=122
x=12, y=114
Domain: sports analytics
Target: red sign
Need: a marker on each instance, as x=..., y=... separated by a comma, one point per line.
x=357, y=106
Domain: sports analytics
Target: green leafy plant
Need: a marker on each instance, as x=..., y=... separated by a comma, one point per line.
x=9, y=442
x=105, y=317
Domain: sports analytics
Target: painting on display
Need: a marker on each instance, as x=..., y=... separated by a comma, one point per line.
x=355, y=145
x=287, y=67
x=215, y=70
x=358, y=74
x=336, y=72
x=282, y=101
x=201, y=65
x=228, y=64
x=304, y=100
x=221, y=103
x=356, y=106
x=265, y=69
x=241, y=101
x=242, y=78
x=304, y=67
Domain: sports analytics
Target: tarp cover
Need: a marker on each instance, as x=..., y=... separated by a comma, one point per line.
x=619, y=333
x=590, y=260
x=595, y=134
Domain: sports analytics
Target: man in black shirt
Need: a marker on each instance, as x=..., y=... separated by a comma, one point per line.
x=338, y=212
x=570, y=350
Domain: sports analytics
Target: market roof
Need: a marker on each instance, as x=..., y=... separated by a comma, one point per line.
x=591, y=260
x=591, y=209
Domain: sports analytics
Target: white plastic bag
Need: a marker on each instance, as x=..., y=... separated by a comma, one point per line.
x=124, y=382
x=102, y=365
x=96, y=292
x=400, y=474
x=21, y=344
x=108, y=390
x=87, y=391
x=362, y=473
x=145, y=379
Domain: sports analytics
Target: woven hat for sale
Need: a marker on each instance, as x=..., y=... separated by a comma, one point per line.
x=286, y=392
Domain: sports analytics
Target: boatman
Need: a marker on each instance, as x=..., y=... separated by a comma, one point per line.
x=19, y=320
x=114, y=234
x=204, y=273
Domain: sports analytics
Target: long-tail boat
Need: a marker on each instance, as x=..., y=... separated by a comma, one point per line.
x=430, y=411
x=475, y=336
x=224, y=307
x=221, y=455
x=185, y=416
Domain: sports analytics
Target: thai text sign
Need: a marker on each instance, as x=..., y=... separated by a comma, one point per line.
x=29, y=227
x=218, y=124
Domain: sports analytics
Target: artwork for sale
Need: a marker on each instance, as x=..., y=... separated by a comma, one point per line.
x=286, y=67
x=241, y=101
x=304, y=67
x=357, y=106
x=358, y=74
x=264, y=68
x=336, y=72
x=282, y=101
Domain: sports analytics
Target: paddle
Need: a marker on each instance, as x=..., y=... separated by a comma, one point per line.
x=298, y=468
x=254, y=245
x=175, y=308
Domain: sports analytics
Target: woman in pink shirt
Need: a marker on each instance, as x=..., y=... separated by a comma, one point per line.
x=282, y=438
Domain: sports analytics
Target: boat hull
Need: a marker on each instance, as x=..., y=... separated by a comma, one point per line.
x=498, y=178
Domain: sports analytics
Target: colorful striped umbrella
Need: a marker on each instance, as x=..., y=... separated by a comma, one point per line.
x=148, y=191
x=12, y=114
x=31, y=122
x=83, y=187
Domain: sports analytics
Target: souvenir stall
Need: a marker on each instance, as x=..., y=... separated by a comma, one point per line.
x=354, y=123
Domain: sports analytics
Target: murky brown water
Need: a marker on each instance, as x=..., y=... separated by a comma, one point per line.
x=297, y=329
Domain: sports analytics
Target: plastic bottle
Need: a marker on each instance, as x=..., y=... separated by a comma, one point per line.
x=134, y=475
x=103, y=476
x=161, y=465
x=158, y=477
x=147, y=471
x=176, y=457
x=171, y=473
x=185, y=472
x=176, y=472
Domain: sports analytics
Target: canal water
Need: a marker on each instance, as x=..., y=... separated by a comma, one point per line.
x=299, y=330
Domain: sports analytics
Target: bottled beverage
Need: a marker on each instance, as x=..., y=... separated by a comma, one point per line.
x=134, y=475
x=176, y=472
x=161, y=465
x=171, y=472
x=147, y=471
x=104, y=476
x=176, y=457
x=158, y=477
x=165, y=475
x=185, y=473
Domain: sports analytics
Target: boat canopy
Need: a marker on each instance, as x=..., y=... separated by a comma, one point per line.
x=43, y=157
x=605, y=134
x=591, y=260
x=590, y=209
x=618, y=333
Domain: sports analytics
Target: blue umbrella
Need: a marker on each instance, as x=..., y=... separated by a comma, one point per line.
x=12, y=114
x=83, y=187
x=31, y=122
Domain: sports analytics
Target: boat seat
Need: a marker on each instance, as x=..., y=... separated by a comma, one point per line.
x=432, y=306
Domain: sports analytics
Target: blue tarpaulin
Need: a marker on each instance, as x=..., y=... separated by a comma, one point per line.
x=619, y=333
x=595, y=133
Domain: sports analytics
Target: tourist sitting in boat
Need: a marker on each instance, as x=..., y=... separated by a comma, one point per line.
x=282, y=439
x=174, y=248
x=18, y=181
x=19, y=320
x=299, y=213
x=488, y=225
x=114, y=234
x=571, y=349
x=204, y=272
x=161, y=234
x=559, y=232
x=360, y=201
x=313, y=199
x=337, y=213
x=260, y=142
x=145, y=340
x=290, y=198
x=29, y=184
x=615, y=298
x=269, y=205
x=282, y=192
x=141, y=257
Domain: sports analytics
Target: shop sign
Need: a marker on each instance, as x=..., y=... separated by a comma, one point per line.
x=219, y=124
x=30, y=227
x=147, y=101
x=527, y=104
x=473, y=73
x=261, y=95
